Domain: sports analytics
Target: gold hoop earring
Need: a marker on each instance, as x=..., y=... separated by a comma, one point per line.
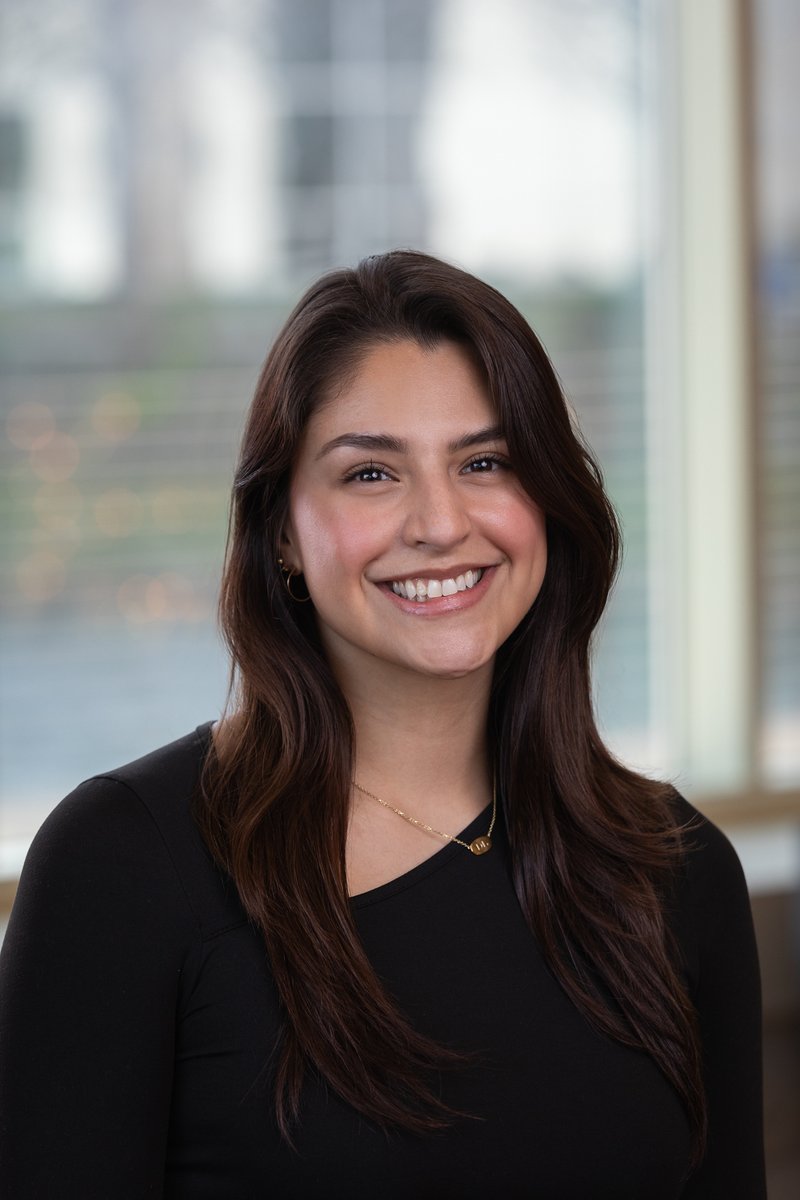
x=288, y=575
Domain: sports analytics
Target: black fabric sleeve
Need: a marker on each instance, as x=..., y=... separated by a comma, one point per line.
x=89, y=978
x=717, y=924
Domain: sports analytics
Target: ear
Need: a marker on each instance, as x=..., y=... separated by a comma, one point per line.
x=287, y=549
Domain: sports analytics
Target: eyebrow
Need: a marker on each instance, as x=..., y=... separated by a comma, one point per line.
x=393, y=445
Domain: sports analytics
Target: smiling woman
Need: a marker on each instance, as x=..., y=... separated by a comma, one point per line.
x=398, y=924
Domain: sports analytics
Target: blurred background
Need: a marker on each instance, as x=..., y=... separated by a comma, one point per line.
x=174, y=172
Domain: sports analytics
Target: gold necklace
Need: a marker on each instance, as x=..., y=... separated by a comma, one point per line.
x=478, y=845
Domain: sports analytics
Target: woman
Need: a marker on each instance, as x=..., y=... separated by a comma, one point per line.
x=399, y=924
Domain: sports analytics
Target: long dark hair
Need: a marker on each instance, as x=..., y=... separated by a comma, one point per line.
x=593, y=845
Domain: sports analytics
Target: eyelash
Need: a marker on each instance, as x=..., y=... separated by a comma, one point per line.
x=353, y=476
x=497, y=459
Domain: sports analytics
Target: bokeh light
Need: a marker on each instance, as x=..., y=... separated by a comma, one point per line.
x=182, y=600
x=115, y=416
x=56, y=458
x=30, y=425
x=165, y=597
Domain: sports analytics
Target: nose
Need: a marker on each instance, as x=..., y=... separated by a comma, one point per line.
x=437, y=515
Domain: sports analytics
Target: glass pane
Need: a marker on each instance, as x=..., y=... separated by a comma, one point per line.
x=167, y=187
x=777, y=41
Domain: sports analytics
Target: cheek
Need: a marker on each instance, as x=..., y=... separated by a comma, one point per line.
x=534, y=530
x=331, y=541
x=520, y=531
x=526, y=546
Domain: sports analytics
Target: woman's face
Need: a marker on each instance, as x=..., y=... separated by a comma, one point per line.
x=419, y=547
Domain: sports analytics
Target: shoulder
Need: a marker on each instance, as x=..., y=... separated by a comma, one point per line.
x=129, y=833
x=710, y=866
x=127, y=805
x=710, y=906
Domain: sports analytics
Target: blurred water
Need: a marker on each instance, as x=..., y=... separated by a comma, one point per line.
x=78, y=699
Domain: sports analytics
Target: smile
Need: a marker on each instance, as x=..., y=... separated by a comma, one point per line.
x=422, y=590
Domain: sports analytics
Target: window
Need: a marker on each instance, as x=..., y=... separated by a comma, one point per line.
x=167, y=187
x=776, y=42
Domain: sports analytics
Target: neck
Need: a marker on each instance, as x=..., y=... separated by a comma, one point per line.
x=424, y=737
x=421, y=746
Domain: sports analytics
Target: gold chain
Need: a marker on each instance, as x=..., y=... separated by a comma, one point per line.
x=478, y=845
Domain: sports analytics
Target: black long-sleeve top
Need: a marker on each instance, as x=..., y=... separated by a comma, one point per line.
x=138, y=1016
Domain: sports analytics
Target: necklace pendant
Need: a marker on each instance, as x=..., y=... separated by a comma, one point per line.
x=481, y=844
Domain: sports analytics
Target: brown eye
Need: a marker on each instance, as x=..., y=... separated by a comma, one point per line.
x=485, y=464
x=370, y=473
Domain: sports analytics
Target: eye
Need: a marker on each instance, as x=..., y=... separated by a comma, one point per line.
x=486, y=464
x=368, y=473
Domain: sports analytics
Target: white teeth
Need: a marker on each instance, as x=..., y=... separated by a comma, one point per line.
x=429, y=589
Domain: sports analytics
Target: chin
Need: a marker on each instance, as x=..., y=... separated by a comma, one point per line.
x=453, y=668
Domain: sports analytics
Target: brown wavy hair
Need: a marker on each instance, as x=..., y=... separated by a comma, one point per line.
x=594, y=846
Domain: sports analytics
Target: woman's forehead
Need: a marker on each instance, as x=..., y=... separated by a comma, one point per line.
x=405, y=385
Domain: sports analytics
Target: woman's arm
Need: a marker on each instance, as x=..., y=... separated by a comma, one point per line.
x=89, y=976
x=727, y=992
